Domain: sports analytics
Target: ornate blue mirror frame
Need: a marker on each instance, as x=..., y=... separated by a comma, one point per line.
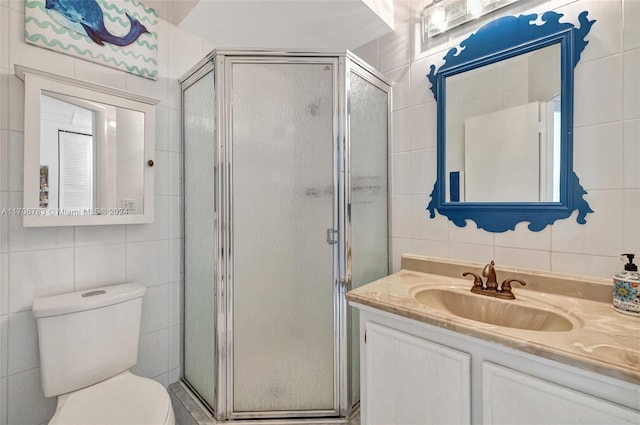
x=498, y=40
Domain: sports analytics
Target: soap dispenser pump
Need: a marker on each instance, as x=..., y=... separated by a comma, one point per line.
x=626, y=289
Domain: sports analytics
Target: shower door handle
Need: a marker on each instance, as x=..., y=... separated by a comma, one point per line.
x=332, y=236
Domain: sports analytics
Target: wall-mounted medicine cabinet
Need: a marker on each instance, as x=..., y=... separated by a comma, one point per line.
x=88, y=153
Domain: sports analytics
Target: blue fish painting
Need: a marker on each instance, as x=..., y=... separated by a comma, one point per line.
x=85, y=17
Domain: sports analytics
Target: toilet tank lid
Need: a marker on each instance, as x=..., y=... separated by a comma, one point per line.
x=87, y=299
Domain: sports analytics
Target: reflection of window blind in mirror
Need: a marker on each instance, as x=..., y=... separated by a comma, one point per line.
x=76, y=170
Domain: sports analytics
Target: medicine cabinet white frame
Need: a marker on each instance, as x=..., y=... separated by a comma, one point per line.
x=37, y=81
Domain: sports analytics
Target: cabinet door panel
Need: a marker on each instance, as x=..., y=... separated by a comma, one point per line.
x=513, y=398
x=410, y=381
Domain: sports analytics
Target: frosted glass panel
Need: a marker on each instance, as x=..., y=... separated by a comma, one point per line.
x=369, y=253
x=283, y=186
x=199, y=238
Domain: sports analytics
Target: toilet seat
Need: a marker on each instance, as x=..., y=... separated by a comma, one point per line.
x=125, y=399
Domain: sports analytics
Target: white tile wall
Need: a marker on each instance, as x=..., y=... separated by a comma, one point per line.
x=602, y=102
x=525, y=258
x=4, y=225
x=26, y=401
x=4, y=157
x=15, y=154
x=99, y=265
x=395, y=48
x=100, y=235
x=23, y=343
x=39, y=273
x=153, y=354
x=4, y=353
x=402, y=130
x=4, y=92
x=607, y=39
x=430, y=248
x=173, y=307
x=631, y=29
x=42, y=261
x=522, y=237
x=4, y=286
x=401, y=169
x=90, y=71
x=631, y=93
x=470, y=252
x=401, y=82
x=423, y=126
x=155, y=309
x=401, y=218
x=399, y=246
x=3, y=401
x=631, y=236
x=631, y=152
x=4, y=41
x=423, y=171
x=370, y=53
x=607, y=144
x=603, y=233
x=598, y=155
x=147, y=262
x=424, y=228
x=420, y=87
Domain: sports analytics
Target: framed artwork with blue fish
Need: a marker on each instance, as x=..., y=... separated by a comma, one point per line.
x=117, y=33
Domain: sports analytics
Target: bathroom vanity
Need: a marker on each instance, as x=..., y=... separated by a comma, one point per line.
x=433, y=352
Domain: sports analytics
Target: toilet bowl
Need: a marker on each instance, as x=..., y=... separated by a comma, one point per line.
x=88, y=344
x=125, y=399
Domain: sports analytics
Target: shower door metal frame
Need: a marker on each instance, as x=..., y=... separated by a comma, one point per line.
x=343, y=62
x=206, y=67
x=225, y=353
x=352, y=63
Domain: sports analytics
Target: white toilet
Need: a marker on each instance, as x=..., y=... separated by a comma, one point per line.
x=88, y=343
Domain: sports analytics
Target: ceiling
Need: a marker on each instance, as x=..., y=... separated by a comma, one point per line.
x=172, y=11
x=321, y=24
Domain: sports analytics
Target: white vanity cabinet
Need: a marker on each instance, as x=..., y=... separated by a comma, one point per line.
x=410, y=380
x=414, y=373
x=513, y=397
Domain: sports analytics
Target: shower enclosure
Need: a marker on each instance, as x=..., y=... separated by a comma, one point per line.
x=285, y=210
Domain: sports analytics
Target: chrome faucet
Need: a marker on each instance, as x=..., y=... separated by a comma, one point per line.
x=490, y=287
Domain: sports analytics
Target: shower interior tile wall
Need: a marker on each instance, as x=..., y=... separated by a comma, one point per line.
x=42, y=261
x=606, y=145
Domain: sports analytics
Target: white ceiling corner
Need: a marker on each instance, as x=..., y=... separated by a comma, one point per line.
x=300, y=24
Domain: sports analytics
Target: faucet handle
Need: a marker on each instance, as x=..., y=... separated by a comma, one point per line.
x=505, y=288
x=477, y=280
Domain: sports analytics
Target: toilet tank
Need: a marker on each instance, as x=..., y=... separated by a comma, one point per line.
x=87, y=336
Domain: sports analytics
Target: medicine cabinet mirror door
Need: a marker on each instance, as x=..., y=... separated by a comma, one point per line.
x=89, y=153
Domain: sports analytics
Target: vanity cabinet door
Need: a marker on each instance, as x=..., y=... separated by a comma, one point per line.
x=512, y=397
x=408, y=380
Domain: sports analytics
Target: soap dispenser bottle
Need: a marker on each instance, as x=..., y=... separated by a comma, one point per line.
x=626, y=289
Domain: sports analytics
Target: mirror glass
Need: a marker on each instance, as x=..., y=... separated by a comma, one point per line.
x=503, y=130
x=91, y=157
x=88, y=153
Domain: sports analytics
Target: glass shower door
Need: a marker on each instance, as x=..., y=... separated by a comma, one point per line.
x=283, y=266
x=200, y=236
x=368, y=163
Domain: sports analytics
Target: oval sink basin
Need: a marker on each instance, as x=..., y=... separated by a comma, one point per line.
x=509, y=313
